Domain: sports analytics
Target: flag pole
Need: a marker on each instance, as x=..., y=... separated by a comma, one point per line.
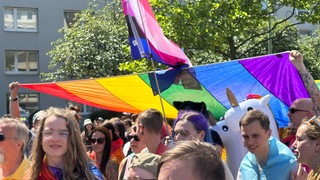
x=154, y=72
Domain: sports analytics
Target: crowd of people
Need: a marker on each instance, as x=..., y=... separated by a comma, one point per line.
x=140, y=146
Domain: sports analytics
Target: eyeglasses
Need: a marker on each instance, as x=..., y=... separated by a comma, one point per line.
x=293, y=110
x=314, y=120
x=1, y=137
x=61, y=133
x=135, y=137
x=99, y=140
x=182, y=133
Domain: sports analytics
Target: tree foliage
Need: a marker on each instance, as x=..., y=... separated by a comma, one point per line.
x=225, y=27
x=310, y=47
x=209, y=31
x=94, y=45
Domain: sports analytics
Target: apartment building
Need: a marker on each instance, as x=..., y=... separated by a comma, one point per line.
x=306, y=28
x=27, y=28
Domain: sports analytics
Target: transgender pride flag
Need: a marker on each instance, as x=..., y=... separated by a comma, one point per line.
x=146, y=37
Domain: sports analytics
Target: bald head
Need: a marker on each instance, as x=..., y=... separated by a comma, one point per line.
x=303, y=104
x=300, y=108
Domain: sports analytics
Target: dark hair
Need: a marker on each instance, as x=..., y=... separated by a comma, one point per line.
x=128, y=122
x=191, y=106
x=121, y=128
x=134, y=117
x=106, y=149
x=111, y=127
x=76, y=109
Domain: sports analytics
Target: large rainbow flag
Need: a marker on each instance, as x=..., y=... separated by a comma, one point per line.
x=271, y=74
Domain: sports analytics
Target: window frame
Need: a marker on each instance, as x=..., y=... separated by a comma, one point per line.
x=69, y=21
x=15, y=16
x=16, y=63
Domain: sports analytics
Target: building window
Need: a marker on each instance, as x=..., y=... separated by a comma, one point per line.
x=22, y=61
x=69, y=18
x=305, y=32
x=20, y=19
x=28, y=103
x=302, y=12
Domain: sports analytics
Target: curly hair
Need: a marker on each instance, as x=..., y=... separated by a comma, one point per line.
x=313, y=129
x=76, y=159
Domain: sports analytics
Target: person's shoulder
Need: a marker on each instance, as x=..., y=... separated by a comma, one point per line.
x=282, y=148
x=112, y=166
x=249, y=160
x=113, y=160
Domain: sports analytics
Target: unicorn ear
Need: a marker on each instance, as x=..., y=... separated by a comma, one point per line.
x=232, y=99
x=265, y=100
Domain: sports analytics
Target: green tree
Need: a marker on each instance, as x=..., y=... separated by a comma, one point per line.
x=93, y=47
x=208, y=31
x=223, y=28
x=310, y=47
x=282, y=41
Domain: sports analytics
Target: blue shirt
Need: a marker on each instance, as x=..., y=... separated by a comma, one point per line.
x=281, y=161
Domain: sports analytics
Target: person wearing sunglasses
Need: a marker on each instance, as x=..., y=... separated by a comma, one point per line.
x=136, y=147
x=299, y=109
x=307, y=149
x=58, y=151
x=296, y=59
x=101, y=153
x=13, y=141
x=313, y=104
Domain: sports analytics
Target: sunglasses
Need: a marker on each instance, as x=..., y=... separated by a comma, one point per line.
x=292, y=110
x=1, y=137
x=135, y=137
x=99, y=140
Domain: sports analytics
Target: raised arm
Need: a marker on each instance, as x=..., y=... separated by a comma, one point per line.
x=14, y=101
x=297, y=60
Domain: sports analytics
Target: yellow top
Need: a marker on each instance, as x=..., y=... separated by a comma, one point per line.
x=19, y=173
